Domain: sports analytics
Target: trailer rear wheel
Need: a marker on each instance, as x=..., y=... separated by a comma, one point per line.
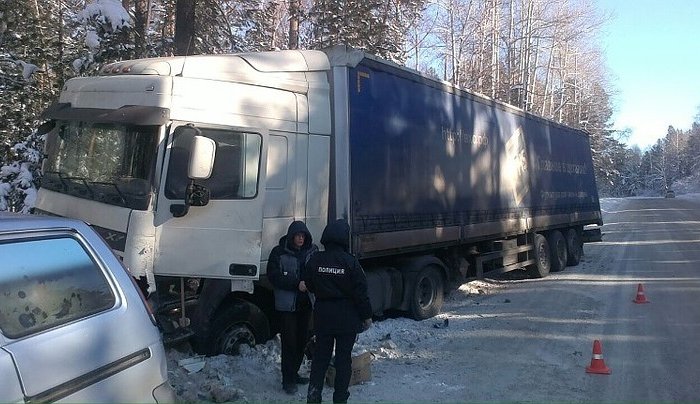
x=236, y=325
x=574, y=247
x=557, y=249
x=542, y=263
x=428, y=293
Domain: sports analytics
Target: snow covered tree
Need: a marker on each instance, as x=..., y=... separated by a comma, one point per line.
x=260, y=26
x=378, y=27
x=690, y=154
x=27, y=82
x=674, y=143
x=224, y=26
x=20, y=175
x=38, y=51
x=631, y=179
x=27, y=85
x=654, y=168
x=103, y=25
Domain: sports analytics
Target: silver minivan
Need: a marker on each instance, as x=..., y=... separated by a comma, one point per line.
x=73, y=325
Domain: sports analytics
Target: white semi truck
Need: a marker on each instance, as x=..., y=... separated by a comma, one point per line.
x=192, y=167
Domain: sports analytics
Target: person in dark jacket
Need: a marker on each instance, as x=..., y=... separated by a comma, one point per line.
x=341, y=309
x=285, y=267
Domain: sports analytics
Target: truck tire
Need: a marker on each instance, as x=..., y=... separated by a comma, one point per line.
x=542, y=259
x=428, y=293
x=237, y=324
x=557, y=250
x=574, y=246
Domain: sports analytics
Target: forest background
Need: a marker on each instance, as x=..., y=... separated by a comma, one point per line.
x=540, y=55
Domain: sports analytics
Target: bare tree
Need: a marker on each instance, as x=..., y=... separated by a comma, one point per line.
x=454, y=29
x=294, y=6
x=184, y=26
x=141, y=23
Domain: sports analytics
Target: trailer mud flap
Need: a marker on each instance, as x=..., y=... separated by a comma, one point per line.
x=592, y=235
x=385, y=289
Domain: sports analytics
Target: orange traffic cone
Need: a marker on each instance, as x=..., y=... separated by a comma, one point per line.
x=640, y=295
x=597, y=363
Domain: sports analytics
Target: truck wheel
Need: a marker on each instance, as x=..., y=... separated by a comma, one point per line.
x=238, y=324
x=557, y=249
x=428, y=295
x=542, y=264
x=574, y=246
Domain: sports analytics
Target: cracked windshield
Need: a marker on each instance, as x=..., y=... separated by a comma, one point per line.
x=105, y=162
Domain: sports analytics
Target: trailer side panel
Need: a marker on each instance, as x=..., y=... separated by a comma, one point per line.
x=432, y=165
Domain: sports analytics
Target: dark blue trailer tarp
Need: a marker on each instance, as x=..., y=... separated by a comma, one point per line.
x=423, y=154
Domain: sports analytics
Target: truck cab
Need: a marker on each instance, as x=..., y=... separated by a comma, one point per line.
x=121, y=154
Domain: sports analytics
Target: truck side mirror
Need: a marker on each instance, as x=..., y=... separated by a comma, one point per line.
x=202, y=156
x=200, y=167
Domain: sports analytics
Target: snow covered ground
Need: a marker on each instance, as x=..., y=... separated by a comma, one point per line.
x=255, y=376
x=406, y=365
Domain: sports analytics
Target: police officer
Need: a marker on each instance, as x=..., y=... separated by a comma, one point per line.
x=341, y=310
x=284, y=270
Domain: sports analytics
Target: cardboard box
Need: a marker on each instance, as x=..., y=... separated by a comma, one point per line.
x=361, y=370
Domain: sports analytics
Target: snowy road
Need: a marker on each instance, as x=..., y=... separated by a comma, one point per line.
x=531, y=340
x=654, y=347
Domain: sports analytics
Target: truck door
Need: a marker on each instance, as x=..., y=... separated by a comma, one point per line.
x=223, y=238
x=296, y=186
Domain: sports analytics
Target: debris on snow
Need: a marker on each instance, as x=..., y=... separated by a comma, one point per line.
x=444, y=324
x=193, y=364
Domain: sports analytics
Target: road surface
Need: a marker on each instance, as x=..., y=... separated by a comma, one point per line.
x=654, y=348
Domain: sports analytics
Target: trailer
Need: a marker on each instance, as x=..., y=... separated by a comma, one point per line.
x=192, y=167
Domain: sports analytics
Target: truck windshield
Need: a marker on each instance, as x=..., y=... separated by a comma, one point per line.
x=109, y=163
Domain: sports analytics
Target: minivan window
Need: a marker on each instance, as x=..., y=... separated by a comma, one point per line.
x=47, y=282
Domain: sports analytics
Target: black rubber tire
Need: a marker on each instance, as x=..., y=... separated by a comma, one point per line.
x=574, y=246
x=428, y=293
x=542, y=258
x=235, y=325
x=557, y=251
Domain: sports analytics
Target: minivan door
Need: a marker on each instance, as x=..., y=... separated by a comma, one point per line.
x=10, y=389
x=66, y=325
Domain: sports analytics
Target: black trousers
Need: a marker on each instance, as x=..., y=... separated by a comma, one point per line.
x=343, y=366
x=294, y=334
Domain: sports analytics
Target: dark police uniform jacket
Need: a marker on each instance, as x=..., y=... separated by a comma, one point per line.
x=338, y=283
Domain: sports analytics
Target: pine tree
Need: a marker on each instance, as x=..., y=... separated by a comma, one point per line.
x=20, y=176
x=103, y=27
x=377, y=27
x=654, y=167
x=41, y=47
x=27, y=81
x=690, y=155
x=260, y=27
